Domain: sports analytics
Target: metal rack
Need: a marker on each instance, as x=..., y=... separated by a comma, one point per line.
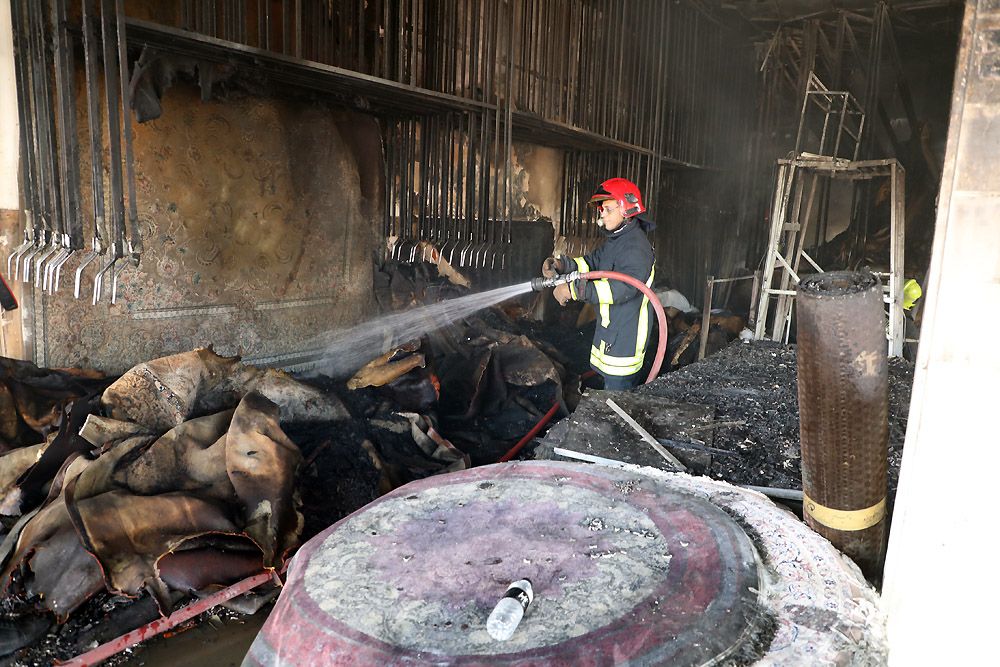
x=838, y=106
x=792, y=210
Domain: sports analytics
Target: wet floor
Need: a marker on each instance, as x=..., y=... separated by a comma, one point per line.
x=216, y=642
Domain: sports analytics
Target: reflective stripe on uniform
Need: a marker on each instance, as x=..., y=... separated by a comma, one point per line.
x=643, y=332
x=605, y=298
x=611, y=365
x=582, y=267
x=599, y=358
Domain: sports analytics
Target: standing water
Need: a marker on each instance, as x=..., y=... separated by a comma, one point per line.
x=341, y=353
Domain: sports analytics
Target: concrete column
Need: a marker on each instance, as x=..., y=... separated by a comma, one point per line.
x=941, y=585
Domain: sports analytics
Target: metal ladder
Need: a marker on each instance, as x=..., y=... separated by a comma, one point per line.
x=785, y=247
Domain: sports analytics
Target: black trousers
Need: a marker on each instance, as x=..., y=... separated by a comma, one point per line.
x=622, y=383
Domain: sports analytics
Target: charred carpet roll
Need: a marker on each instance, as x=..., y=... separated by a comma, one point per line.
x=843, y=382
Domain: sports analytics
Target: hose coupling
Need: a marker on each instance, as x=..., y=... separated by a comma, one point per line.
x=538, y=284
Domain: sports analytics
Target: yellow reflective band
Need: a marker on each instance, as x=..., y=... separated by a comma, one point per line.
x=603, y=288
x=643, y=332
x=611, y=365
x=581, y=264
x=844, y=519
x=605, y=298
x=572, y=290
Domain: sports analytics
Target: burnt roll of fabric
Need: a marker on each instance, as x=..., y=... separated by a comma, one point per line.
x=843, y=384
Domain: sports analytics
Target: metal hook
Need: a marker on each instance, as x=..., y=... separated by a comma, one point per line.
x=40, y=243
x=40, y=259
x=51, y=281
x=114, y=280
x=91, y=256
x=99, y=278
x=12, y=257
x=50, y=267
x=54, y=282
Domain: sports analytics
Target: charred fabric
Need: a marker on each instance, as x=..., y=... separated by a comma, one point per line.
x=123, y=497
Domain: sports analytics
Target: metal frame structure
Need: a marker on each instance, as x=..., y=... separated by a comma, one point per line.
x=454, y=82
x=792, y=210
x=706, y=309
x=50, y=152
x=842, y=107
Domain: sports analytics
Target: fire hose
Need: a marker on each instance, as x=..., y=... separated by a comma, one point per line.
x=538, y=284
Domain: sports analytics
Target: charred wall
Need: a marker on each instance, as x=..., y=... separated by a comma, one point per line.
x=257, y=216
x=261, y=207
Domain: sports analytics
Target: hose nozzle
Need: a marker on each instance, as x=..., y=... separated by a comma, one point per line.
x=538, y=284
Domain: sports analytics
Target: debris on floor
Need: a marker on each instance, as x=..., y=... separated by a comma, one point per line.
x=176, y=480
x=594, y=429
x=192, y=471
x=748, y=397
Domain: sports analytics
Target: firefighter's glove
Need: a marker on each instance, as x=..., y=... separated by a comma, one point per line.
x=562, y=294
x=550, y=267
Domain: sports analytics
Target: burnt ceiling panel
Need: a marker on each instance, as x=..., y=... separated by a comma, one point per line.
x=766, y=13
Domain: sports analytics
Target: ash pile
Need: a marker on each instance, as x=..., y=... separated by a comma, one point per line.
x=732, y=416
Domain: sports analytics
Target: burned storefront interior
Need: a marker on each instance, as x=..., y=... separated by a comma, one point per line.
x=303, y=311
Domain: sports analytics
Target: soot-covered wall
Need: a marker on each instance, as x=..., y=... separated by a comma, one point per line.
x=258, y=227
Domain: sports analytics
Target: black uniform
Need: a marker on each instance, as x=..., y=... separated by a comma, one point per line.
x=625, y=318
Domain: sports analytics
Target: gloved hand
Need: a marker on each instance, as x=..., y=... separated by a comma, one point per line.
x=561, y=293
x=549, y=268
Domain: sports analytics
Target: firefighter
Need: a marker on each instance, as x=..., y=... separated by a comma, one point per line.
x=625, y=317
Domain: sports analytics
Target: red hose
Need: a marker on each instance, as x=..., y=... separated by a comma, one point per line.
x=101, y=653
x=661, y=317
x=654, y=371
x=531, y=434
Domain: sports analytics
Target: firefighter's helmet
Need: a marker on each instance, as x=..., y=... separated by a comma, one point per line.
x=623, y=191
x=911, y=292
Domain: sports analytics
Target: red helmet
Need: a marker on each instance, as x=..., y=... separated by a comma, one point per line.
x=622, y=190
